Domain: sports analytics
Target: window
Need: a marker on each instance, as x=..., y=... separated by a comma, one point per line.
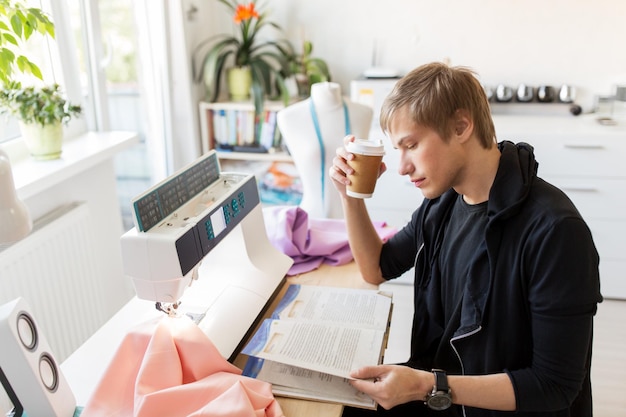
x=94, y=59
x=57, y=65
x=123, y=100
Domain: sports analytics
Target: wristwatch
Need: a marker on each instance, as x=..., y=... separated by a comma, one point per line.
x=439, y=398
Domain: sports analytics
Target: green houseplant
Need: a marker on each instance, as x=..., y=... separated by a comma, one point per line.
x=307, y=69
x=264, y=61
x=41, y=112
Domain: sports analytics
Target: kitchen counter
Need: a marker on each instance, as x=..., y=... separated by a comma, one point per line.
x=583, y=125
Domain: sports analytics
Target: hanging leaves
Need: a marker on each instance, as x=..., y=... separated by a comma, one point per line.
x=17, y=24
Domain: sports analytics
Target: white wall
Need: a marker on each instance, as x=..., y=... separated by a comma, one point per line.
x=506, y=41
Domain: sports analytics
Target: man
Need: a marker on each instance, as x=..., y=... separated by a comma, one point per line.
x=506, y=271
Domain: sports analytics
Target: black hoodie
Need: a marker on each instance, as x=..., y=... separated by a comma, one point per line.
x=528, y=311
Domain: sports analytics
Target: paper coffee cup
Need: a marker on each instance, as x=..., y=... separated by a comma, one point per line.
x=367, y=158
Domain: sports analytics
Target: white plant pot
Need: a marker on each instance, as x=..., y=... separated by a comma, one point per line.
x=43, y=142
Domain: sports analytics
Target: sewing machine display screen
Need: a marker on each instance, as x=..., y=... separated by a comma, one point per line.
x=218, y=222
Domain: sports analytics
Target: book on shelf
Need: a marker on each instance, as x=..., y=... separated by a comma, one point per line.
x=231, y=133
x=241, y=148
x=316, y=337
x=267, y=127
x=232, y=128
x=220, y=127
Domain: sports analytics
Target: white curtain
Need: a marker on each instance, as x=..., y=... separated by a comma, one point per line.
x=165, y=79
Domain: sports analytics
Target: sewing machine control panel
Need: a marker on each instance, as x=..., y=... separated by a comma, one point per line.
x=205, y=220
x=160, y=201
x=228, y=213
x=196, y=208
x=227, y=201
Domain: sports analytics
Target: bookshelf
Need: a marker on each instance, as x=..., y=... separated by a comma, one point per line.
x=231, y=129
x=276, y=175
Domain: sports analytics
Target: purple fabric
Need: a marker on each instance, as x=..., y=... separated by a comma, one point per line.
x=311, y=241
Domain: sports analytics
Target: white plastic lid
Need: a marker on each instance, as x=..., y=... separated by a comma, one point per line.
x=366, y=147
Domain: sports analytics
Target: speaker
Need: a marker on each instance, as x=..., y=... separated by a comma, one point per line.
x=29, y=373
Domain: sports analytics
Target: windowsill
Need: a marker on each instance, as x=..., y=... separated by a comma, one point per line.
x=81, y=153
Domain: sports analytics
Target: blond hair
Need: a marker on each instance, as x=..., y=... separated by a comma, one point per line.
x=433, y=93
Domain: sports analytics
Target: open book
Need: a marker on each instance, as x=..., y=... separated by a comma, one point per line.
x=316, y=337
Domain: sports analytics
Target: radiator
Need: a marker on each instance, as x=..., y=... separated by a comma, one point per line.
x=54, y=270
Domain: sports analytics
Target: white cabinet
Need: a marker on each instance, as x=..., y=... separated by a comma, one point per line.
x=586, y=161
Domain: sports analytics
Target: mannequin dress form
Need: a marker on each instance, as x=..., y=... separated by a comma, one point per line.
x=312, y=130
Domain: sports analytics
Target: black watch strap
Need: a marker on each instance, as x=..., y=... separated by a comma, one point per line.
x=441, y=380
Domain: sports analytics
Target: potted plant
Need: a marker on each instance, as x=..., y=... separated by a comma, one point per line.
x=261, y=63
x=41, y=112
x=307, y=70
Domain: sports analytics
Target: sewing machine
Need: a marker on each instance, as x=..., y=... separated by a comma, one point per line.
x=199, y=248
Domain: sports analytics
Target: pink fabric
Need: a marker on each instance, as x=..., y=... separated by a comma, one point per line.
x=311, y=241
x=170, y=368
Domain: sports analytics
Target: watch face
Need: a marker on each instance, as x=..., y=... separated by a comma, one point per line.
x=439, y=401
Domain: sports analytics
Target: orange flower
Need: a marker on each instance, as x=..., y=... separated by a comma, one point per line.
x=245, y=12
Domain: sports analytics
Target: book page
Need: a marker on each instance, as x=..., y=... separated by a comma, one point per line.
x=326, y=348
x=361, y=307
x=315, y=337
x=325, y=329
